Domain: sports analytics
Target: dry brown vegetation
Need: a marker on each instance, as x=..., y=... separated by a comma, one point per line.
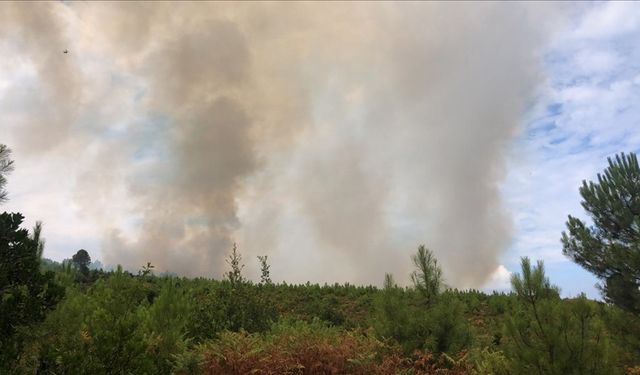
x=310, y=349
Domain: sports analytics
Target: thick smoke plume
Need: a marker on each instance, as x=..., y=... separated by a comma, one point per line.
x=333, y=137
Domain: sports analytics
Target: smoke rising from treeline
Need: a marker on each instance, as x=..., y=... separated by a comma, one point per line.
x=333, y=137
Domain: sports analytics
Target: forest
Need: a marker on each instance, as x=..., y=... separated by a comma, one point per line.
x=71, y=318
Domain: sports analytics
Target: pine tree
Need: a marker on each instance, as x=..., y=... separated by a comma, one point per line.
x=6, y=166
x=26, y=293
x=428, y=276
x=611, y=247
x=265, y=274
x=37, y=231
x=389, y=282
x=235, y=275
x=550, y=336
x=395, y=318
x=82, y=260
x=147, y=270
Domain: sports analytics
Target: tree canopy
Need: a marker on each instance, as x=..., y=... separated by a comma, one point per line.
x=82, y=260
x=6, y=166
x=26, y=293
x=610, y=248
x=428, y=275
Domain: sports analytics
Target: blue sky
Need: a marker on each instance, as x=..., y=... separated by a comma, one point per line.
x=347, y=119
x=587, y=110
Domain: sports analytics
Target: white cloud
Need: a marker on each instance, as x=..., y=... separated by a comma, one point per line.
x=500, y=280
x=609, y=20
x=594, y=61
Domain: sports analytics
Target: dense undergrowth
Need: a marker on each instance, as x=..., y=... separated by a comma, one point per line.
x=120, y=323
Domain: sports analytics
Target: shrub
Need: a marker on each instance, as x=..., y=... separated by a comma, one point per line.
x=101, y=331
x=294, y=347
x=549, y=336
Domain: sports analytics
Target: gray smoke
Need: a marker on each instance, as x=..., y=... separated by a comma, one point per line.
x=32, y=31
x=333, y=137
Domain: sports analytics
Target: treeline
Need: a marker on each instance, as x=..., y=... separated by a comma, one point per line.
x=71, y=319
x=122, y=323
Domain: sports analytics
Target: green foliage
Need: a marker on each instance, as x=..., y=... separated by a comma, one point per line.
x=427, y=278
x=147, y=270
x=611, y=248
x=6, y=166
x=439, y=327
x=389, y=282
x=448, y=330
x=547, y=336
x=224, y=305
x=102, y=331
x=486, y=362
x=145, y=324
x=166, y=326
x=123, y=323
x=26, y=293
x=624, y=332
x=82, y=260
x=37, y=238
x=395, y=319
x=232, y=304
x=235, y=274
x=533, y=285
x=188, y=362
x=265, y=274
x=500, y=303
x=67, y=275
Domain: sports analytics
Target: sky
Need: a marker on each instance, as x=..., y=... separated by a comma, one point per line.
x=334, y=138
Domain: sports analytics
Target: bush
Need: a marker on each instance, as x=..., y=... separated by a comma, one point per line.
x=441, y=328
x=549, y=336
x=448, y=330
x=26, y=293
x=165, y=325
x=229, y=306
x=101, y=331
x=486, y=362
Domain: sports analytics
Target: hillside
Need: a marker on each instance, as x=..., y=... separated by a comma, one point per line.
x=117, y=322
